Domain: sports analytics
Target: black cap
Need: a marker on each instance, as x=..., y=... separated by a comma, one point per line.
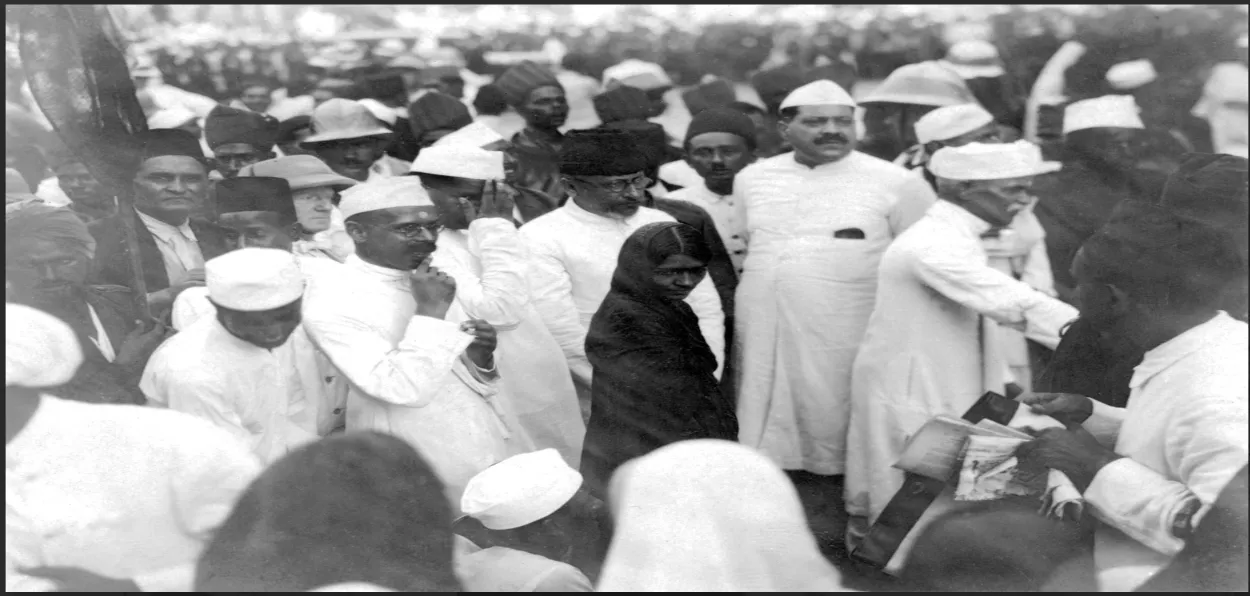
x=226, y=125
x=166, y=141
x=256, y=193
x=601, y=152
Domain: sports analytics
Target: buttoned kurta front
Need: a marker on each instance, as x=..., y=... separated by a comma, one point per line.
x=574, y=254
x=807, y=289
x=728, y=213
x=407, y=372
x=926, y=352
x=123, y=491
x=491, y=266
x=1183, y=436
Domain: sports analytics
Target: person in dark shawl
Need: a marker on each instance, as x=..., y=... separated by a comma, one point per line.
x=48, y=253
x=653, y=381
x=539, y=98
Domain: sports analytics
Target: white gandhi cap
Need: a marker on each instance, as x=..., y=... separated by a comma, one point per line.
x=460, y=161
x=985, y=161
x=475, y=134
x=951, y=121
x=1132, y=74
x=40, y=350
x=520, y=490
x=1108, y=111
x=254, y=279
x=818, y=93
x=386, y=193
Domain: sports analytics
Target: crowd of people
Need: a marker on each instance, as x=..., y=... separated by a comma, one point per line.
x=399, y=324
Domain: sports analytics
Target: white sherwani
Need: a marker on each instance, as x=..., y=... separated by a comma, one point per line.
x=805, y=296
x=121, y=491
x=408, y=373
x=1183, y=436
x=253, y=393
x=929, y=348
x=491, y=265
x=574, y=256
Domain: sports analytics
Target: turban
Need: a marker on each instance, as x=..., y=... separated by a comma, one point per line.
x=39, y=349
x=520, y=490
x=254, y=193
x=437, y=111
x=600, y=152
x=43, y=222
x=622, y=103
x=649, y=139
x=226, y=125
x=519, y=81
x=723, y=119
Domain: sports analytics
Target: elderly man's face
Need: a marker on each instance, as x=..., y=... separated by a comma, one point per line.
x=170, y=187
x=81, y=186
x=54, y=271
x=997, y=201
x=821, y=134
x=313, y=207
x=616, y=197
x=396, y=238
x=351, y=157
x=545, y=108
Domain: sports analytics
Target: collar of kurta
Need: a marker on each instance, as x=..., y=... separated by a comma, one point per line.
x=383, y=273
x=589, y=218
x=824, y=167
x=1219, y=331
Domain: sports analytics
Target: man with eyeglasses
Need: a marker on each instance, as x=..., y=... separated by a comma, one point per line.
x=383, y=324
x=575, y=247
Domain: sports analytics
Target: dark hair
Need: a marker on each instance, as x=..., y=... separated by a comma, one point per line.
x=746, y=108
x=360, y=507
x=490, y=101
x=680, y=239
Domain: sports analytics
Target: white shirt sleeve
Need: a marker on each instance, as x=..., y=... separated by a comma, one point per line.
x=199, y=395
x=408, y=374
x=961, y=275
x=501, y=294
x=1205, y=443
x=705, y=303
x=914, y=199
x=1037, y=271
x=553, y=297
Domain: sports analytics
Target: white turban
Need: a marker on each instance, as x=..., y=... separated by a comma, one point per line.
x=40, y=350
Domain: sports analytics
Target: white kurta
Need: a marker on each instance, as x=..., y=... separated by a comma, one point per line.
x=1020, y=251
x=491, y=269
x=500, y=569
x=729, y=214
x=1183, y=435
x=925, y=352
x=805, y=297
x=121, y=491
x=408, y=372
x=574, y=254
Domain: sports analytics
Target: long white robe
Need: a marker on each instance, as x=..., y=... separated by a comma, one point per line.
x=928, y=349
x=491, y=266
x=121, y=491
x=574, y=254
x=1183, y=435
x=251, y=392
x=805, y=296
x=408, y=372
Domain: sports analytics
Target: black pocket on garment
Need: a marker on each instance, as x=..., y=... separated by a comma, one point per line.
x=849, y=234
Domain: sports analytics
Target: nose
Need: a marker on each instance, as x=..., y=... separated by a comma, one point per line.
x=717, y=158
x=427, y=235
x=685, y=280
x=177, y=186
x=632, y=192
x=47, y=272
x=240, y=242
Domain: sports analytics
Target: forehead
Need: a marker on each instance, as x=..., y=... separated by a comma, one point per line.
x=825, y=111
x=680, y=261
x=73, y=167
x=548, y=92
x=315, y=192
x=38, y=249
x=611, y=178
x=406, y=215
x=1010, y=182
x=234, y=149
x=172, y=164
x=249, y=219
x=716, y=139
x=256, y=88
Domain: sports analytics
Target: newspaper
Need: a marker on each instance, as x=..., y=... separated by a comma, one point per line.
x=991, y=471
x=935, y=450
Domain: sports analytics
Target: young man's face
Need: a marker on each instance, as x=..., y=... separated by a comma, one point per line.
x=232, y=157
x=718, y=157
x=545, y=108
x=257, y=98
x=256, y=229
x=267, y=329
x=351, y=157
x=81, y=186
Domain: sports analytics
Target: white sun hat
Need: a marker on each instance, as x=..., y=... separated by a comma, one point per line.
x=1108, y=111
x=637, y=73
x=974, y=58
x=339, y=119
x=254, y=279
x=460, y=161
x=951, y=121
x=990, y=161
x=924, y=83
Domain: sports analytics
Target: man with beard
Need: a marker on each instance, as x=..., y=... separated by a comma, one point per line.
x=88, y=198
x=575, y=247
x=239, y=138
x=170, y=182
x=539, y=99
x=231, y=369
x=818, y=221
x=911, y=91
x=383, y=323
x=53, y=250
x=481, y=250
x=352, y=142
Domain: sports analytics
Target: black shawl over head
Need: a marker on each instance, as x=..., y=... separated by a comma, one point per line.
x=654, y=375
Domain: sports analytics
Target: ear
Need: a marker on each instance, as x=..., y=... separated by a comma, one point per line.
x=356, y=231
x=1118, y=302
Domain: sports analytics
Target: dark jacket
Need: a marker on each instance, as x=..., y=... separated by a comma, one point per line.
x=112, y=257
x=1073, y=203
x=98, y=380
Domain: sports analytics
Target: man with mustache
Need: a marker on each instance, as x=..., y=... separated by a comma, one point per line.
x=931, y=347
x=383, y=324
x=170, y=183
x=539, y=98
x=348, y=137
x=818, y=220
x=239, y=138
x=575, y=247
x=234, y=369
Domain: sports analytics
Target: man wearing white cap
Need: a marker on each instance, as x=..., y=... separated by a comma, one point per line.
x=818, y=221
x=413, y=373
x=481, y=250
x=522, y=502
x=981, y=68
x=353, y=142
x=103, y=498
x=232, y=369
x=930, y=348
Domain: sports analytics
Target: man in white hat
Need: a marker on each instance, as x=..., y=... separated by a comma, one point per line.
x=482, y=251
x=981, y=67
x=930, y=347
x=522, y=503
x=103, y=498
x=315, y=190
x=236, y=369
x=353, y=142
x=384, y=325
x=818, y=220
x=911, y=91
